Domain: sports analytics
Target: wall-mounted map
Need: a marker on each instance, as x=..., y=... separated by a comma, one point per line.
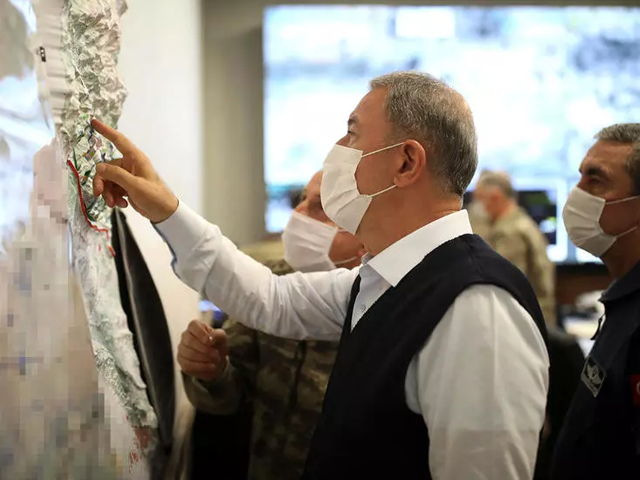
x=64, y=341
x=51, y=410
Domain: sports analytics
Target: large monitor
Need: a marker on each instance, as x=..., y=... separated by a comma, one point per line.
x=540, y=80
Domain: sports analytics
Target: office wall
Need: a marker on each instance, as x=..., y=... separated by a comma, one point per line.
x=160, y=63
x=234, y=196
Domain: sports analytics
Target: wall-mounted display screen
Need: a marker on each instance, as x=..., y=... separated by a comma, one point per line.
x=540, y=80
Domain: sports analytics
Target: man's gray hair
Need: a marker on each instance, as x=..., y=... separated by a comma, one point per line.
x=626, y=133
x=423, y=108
x=499, y=180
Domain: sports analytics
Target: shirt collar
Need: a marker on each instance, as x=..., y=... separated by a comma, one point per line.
x=624, y=286
x=398, y=259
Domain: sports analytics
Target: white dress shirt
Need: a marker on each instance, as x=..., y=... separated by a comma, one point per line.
x=480, y=381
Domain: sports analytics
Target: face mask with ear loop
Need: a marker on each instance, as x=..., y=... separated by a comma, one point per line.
x=341, y=199
x=307, y=243
x=581, y=215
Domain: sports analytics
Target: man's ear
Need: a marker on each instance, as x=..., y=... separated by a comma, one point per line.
x=414, y=162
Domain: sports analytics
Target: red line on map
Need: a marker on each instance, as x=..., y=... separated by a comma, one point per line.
x=84, y=209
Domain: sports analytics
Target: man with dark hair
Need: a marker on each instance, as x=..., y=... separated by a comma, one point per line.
x=442, y=368
x=601, y=435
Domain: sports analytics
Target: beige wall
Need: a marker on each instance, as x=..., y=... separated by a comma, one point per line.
x=160, y=63
x=234, y=193
x=234, y=196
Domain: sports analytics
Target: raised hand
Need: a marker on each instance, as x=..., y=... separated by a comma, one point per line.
x=202, y=352
x=132, y=180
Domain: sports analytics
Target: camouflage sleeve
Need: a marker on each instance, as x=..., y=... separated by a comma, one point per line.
x=243, y=355
x=526, y=247
x=512, y=247
x=542, y=274
x=219, y=397
x=223, y=395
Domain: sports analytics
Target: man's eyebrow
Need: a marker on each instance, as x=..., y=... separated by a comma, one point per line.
x=594, y=171
x=353, y=120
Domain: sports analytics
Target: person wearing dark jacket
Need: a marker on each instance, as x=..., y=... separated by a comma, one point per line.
x=601, y=434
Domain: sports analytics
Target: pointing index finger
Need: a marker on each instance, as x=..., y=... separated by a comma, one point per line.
x=121, y=142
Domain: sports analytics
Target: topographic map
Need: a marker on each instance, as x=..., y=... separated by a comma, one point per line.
x=52, y=413
x=89, y=48
x=55, y=251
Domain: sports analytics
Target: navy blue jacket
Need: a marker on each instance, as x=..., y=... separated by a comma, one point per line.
x=601, y=435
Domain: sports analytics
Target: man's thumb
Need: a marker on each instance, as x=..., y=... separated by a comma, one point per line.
x=117, y=175
x=219, y=337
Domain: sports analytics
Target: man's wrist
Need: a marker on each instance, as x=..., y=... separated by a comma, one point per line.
x=170, y=209
x=219, y=378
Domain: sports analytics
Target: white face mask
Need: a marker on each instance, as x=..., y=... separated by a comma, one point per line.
x=307, y=243
x=341, y=199
x=581, y=215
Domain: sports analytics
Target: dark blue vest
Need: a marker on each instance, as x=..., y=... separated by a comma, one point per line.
x=366, y=430
x=601, y=434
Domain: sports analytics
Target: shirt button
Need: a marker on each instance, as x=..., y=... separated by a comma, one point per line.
x=363, y=308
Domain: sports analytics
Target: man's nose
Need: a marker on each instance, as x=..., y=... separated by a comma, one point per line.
x=343, y=142
x=583, y=184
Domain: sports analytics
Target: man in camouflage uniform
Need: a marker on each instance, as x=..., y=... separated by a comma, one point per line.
x=284, y=379
x=478, y=218
x=515, y=236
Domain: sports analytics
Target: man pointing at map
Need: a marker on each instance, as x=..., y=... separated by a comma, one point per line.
x=442, y=369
